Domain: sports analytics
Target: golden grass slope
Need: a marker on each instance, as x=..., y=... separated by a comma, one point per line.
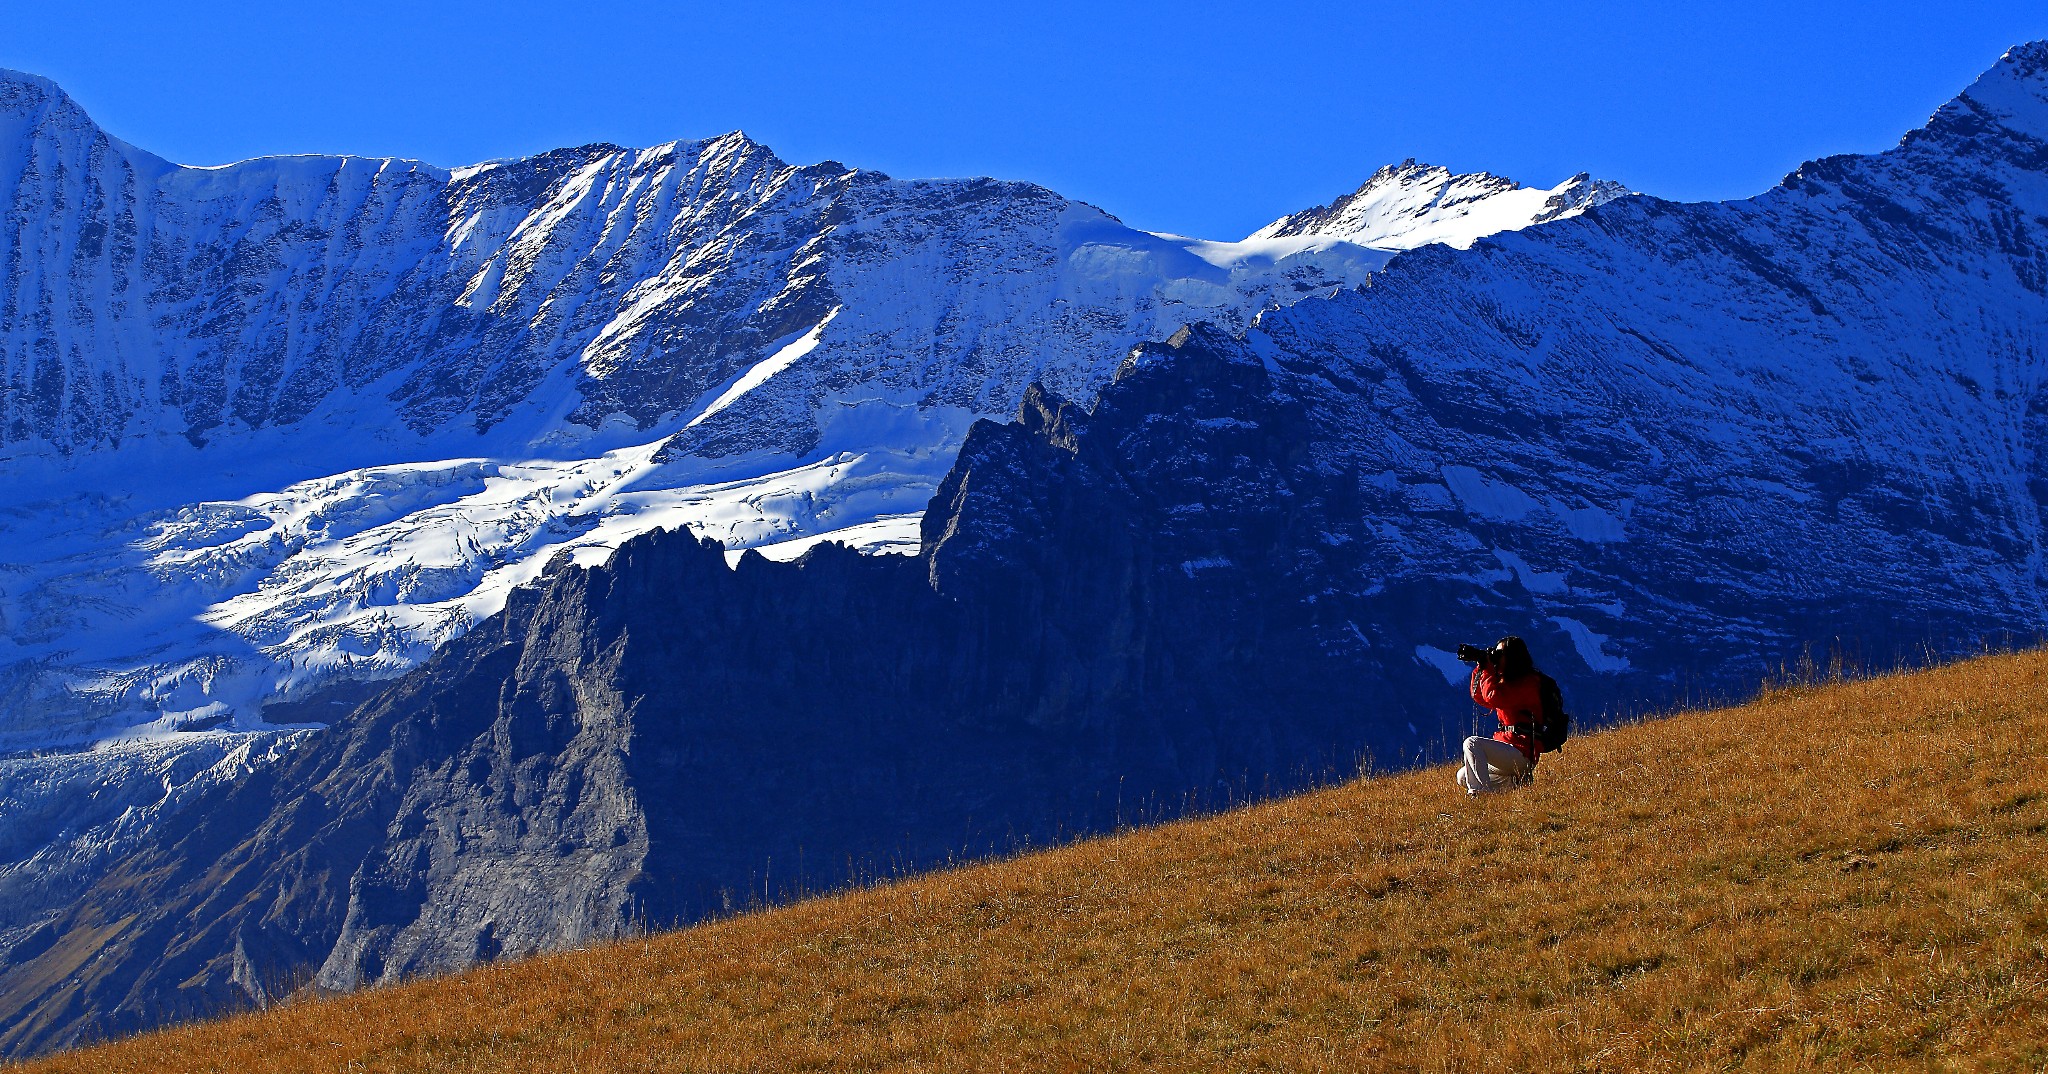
x=1844, y=878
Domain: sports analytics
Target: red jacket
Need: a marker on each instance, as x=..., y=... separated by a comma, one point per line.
x=1518, y=705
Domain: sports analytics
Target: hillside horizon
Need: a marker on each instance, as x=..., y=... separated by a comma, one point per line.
x=1747, y=888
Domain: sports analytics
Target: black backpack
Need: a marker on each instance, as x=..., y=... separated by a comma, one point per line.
x=1556, y=725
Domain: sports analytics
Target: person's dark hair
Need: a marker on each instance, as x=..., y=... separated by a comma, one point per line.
x=1515, y=660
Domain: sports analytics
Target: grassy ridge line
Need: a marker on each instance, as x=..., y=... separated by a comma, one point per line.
x=1851, y=877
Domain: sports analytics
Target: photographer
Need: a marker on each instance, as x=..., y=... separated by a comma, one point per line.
x=1530, y=711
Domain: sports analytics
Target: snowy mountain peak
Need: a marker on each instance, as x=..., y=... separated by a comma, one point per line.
x=1411, y=172
x=2013, y=94
x=1410, y=204
x=1577, y=194
x=20, y=90
x=1998, y=124
x=32, y=104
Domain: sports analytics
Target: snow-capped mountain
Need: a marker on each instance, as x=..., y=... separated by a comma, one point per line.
x=1409, y=205
x=1669, y=444
x=271, y=424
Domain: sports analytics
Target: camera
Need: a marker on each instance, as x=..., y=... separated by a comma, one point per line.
x=1475, y=654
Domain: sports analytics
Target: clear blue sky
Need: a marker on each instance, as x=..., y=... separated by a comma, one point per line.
x=1201, y=118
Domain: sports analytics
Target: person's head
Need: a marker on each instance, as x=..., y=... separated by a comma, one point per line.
x=1512, y=657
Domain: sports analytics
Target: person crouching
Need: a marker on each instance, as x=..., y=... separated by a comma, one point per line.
x=1505, y=679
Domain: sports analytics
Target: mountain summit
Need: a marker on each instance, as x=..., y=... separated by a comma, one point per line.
x=1407, y=205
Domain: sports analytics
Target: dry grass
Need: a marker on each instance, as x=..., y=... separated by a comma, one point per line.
x=1844, y=878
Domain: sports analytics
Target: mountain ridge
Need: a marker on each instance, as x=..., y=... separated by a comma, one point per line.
x=242, y=368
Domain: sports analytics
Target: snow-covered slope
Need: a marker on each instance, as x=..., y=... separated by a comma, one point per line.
x=269, y=423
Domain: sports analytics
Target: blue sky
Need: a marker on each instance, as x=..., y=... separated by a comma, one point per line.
x=1206, y=119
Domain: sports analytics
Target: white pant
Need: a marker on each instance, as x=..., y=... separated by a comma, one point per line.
x=1492, y=765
